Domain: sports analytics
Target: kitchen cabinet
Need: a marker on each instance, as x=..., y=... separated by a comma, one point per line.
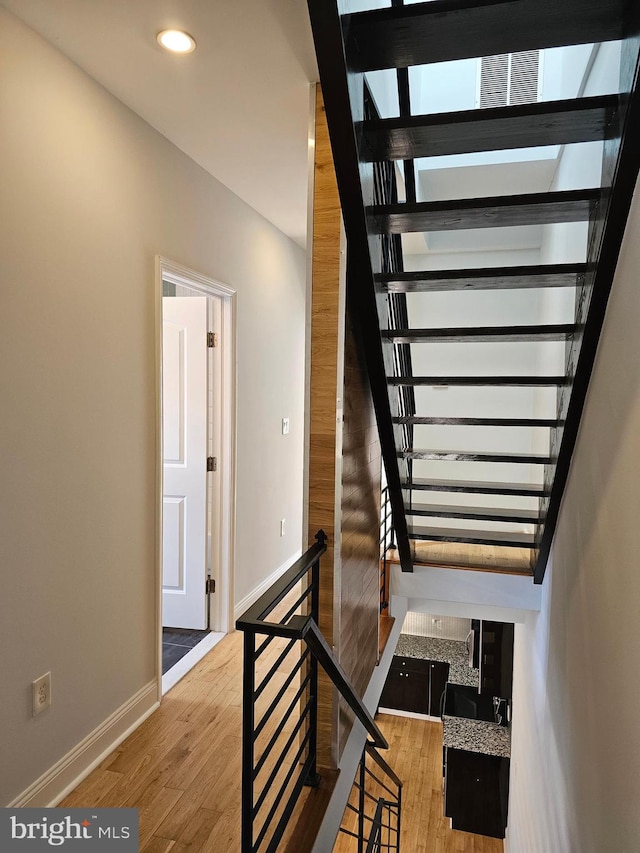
x=415, y=685
x=476, y=791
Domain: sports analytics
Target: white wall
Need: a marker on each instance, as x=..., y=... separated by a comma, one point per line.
x=90, y=194
x=575, y=785
x=432, y=625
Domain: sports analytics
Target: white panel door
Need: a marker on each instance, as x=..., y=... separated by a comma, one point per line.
x=184, y=421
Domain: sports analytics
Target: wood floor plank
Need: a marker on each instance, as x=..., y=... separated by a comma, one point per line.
x=158, y=845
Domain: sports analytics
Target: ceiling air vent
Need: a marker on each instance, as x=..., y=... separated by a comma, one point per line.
x=509, y=78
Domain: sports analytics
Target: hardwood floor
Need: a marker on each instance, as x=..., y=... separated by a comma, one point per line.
x=415, y=754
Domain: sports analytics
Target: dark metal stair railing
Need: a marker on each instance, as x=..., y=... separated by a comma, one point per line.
x=287, y=690
x=387, y=540
x=379, y=806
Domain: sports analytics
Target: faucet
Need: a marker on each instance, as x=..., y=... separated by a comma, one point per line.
x=497, y=703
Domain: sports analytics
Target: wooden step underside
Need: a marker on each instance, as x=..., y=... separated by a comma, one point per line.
x=492, y=212
x=477, y=456
x=475, y=537
x=487, y=278
x=476, y=513
x=446, y=30
x=499, y=128
x=486, y=334
x=476, y=487
x=460, y=555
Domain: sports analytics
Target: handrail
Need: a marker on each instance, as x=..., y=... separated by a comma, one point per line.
x=254, y=617
x=323, y=653
x=382, y=764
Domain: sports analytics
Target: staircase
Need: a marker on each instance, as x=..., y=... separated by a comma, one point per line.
x=477, y=422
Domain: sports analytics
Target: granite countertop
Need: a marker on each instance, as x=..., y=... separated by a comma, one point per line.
x=453, y=652
x=477, y=736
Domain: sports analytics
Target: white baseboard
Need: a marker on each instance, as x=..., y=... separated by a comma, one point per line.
x=66, y=774
x=255, y=594
x=411, y=714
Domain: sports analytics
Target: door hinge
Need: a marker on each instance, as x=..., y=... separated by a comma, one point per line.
x=212, y=339
x=212, y=463
x=210, y=585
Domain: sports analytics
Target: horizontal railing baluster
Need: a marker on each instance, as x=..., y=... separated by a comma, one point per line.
x=274, y=668
x=265, y=790
x=278, y=731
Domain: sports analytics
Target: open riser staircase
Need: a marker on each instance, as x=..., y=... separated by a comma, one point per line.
x=479, y=369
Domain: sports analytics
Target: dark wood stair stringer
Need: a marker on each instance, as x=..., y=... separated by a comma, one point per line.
x=344, y=108
x=475, y=537
x=475, y=513
x=497, y=128
x=492, y=422
x=482, y=381
x=492, y=212
x=478, y=456
x=477, y=487
x=487, y=278
x=488, y=334
x=445, y=30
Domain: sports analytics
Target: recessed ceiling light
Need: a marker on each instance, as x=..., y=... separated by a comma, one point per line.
x=176, y=41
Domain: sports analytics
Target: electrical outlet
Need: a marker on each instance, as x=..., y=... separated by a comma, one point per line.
x=282, y=526
x=285, y=426
x=41, y=693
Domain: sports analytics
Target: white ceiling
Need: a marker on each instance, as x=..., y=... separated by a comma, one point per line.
x=238, y=106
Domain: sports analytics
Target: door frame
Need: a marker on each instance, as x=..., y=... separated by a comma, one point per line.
x=224, y=485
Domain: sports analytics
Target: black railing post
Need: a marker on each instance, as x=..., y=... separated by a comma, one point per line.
x=313, y=777
x=361, y=796
x=248, y=724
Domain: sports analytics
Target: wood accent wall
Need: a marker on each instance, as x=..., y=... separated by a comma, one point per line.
x=344, y=463
x=327, y=341
x=360, y=531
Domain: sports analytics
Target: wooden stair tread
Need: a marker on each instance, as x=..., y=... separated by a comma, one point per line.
x=477, y=456
x=476, y=487
x=386, y=625
x=486, y=278
x=486, y=334
x=477, y=513
x=480, y=381
x=419, y=420
x=491, y=212
x=469, y=557
x=479, y=537
x=497, y=128
x=308, y=814
x=445, y=30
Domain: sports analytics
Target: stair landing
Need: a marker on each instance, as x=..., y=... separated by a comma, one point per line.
x=470, y=557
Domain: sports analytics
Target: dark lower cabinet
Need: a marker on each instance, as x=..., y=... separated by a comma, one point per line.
x=415, y=685
x=476, y=792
